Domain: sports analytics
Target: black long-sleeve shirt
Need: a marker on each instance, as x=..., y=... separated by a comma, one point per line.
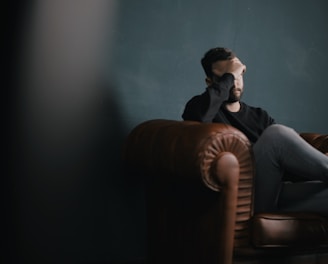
x=210, y=107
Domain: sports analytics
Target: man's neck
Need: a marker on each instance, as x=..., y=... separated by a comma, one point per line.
x=233, y=107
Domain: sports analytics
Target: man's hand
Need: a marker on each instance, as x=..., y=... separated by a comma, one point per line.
x=235, y=67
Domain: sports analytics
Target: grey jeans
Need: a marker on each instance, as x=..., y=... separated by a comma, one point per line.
x=280, y=151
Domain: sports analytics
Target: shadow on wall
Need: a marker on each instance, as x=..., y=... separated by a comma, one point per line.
x=66, y=198
x=71, y=200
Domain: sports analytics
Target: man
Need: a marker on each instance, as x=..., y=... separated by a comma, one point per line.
x=278, y=150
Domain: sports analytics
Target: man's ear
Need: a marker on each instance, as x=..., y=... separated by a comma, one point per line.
x=208, y=81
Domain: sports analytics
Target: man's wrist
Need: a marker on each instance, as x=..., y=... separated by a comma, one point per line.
x=225, y=82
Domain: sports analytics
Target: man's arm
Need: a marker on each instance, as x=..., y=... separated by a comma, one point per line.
x=204, y=107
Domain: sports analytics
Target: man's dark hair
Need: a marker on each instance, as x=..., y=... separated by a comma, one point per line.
x=214, y=55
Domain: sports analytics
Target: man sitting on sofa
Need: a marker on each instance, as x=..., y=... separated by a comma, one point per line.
x=278, y=150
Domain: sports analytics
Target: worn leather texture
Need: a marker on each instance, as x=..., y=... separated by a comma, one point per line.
x=199, y=182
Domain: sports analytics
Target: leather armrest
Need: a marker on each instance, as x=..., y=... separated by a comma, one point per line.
x=318, y=141
x=176, y=155
x=184, y=154
x=186, y=150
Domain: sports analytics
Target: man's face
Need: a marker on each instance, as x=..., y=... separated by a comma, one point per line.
x=221, y=67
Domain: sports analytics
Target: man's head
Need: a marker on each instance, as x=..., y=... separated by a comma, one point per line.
x=218, y=61
x=215, y=55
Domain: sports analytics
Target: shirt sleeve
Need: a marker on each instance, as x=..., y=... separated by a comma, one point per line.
x=204, y=107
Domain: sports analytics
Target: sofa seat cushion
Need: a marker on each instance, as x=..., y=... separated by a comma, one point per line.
x=297, y=230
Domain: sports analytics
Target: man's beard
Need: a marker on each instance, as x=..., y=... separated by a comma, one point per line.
x=234, y=96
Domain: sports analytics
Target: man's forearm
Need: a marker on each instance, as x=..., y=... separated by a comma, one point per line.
x=218, y=94
x=204, y=107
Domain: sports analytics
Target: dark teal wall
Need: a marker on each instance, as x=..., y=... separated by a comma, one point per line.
x=158, y=46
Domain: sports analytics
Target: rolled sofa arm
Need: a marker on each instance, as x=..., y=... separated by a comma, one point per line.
x=193, y=154
x=186, y=149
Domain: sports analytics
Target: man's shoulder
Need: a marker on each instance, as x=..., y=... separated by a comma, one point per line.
x=196, y=99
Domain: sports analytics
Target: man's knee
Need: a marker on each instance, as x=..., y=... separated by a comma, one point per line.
x=278, y=132
x=274, y=138
x=278, y=129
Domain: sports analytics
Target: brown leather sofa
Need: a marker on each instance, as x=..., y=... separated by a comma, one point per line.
x=199, y=182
